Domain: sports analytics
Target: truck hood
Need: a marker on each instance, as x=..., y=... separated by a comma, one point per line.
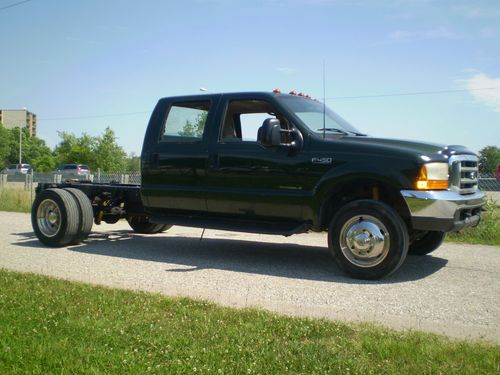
x=433, y=151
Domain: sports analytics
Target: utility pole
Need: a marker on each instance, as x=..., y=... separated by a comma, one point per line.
x=20, y=142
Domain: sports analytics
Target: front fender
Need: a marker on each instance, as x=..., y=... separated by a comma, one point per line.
x=348, y=178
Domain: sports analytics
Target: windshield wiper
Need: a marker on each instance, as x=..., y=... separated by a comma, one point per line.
x=345, y=132
x=333, y=130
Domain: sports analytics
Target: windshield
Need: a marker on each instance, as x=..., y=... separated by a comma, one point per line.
x=311, y=114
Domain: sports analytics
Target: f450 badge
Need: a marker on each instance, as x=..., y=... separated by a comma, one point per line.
x=321, y=160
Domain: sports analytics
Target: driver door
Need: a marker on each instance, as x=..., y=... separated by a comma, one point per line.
x=245, y=179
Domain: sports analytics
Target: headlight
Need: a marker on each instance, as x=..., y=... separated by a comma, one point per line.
x=433, y=176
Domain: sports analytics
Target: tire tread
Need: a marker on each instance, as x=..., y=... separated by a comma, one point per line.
x=86, y=214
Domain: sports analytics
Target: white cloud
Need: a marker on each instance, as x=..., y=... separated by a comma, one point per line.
x=285, y=70
x=480, y=87
x=469, y=11
x=488, y=32
x=410, y=36
x=407, y=36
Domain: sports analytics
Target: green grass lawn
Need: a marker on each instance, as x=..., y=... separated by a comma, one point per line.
x=15, y=200
x=486, y=233
x=50, y=326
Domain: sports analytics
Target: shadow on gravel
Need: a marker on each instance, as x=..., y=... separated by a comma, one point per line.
x=283, y=260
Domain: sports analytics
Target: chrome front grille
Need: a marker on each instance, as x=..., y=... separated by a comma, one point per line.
x=463, y=173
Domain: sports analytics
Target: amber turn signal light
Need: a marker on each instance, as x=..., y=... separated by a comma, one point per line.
x=433, y=176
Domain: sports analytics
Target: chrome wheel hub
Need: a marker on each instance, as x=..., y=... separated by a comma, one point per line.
x=52, y=218
x=364, y=241
x=48, y=217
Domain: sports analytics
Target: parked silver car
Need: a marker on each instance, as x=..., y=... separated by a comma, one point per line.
x=17, y=169
x=73, y=171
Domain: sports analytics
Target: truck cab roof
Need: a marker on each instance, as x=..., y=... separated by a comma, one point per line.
x=242, y=94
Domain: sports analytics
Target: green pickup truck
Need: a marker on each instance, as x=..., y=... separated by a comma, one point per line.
x=274, y=163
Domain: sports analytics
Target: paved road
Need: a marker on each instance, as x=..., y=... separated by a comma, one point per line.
x=456, y=291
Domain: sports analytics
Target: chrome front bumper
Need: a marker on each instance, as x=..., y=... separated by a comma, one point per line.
x=443, y=210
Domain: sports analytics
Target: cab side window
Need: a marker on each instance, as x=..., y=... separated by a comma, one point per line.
x=244, y=118
x=185, y=122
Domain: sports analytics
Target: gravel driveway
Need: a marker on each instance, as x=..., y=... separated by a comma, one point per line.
x=456, y=291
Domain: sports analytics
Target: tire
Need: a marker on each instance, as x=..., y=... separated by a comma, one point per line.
x=368, y=239
x=145, y=227
x=426, y=243
x=55, y=217
x=86, y=214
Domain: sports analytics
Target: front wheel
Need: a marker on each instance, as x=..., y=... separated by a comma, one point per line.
x=368, y=239
x=426, y=243
x=143, y=226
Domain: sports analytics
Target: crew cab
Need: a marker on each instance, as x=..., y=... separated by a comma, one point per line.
x=275, y=163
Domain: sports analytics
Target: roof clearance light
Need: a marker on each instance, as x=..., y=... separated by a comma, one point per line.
x=293, y=92
x=301, y=94
x=308, y=96
x=277, y=91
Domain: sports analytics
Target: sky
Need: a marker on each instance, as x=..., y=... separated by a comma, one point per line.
x=413, y=69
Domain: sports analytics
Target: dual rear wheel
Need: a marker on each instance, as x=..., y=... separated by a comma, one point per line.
x=62, y=217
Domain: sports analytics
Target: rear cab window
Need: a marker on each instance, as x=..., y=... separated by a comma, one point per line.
x=185, y=122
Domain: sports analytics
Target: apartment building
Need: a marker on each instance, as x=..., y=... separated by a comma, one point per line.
x=14, y=118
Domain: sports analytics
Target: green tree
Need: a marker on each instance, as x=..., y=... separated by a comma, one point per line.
x=13, y=144
x=110, y=156
x=97, y=152
x=73, y=149
x=44, y=163
x=34, y=150
x=489, y=158
x=37, y=153
x=4, y=146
